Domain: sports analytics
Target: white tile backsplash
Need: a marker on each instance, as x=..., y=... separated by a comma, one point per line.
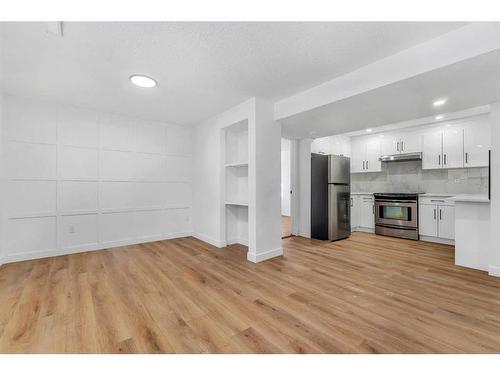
x=410, y=177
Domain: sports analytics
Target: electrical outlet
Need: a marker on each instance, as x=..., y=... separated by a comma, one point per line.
x=71, y=229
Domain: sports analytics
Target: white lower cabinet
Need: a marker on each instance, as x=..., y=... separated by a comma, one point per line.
x=362, y=216
x=428, y=225
x=436, y=220
x=367, y=215
x=362, y=213
x=446, y=222
x=354, y=212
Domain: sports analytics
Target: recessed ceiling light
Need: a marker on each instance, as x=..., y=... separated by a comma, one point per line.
x=369, y=130
x=439, y=117
x=142, y=81
x=439, y=102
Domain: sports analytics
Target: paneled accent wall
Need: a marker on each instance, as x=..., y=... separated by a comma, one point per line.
x=77, y=180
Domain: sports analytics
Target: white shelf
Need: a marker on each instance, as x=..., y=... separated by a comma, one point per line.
x=235, y=171
x=237, y=165
x=237, y=204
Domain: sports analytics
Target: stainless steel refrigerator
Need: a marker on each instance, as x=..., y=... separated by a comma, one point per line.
x=330, y=197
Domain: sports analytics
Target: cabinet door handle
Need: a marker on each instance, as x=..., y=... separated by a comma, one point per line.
x=434, y=214
x=439, y=159
x=444, y=159
x=363, y=165
x=466, y=158
x=440, y=214
x=351, y=202
x=397, y=147
x=402, y=146
x=367, y=164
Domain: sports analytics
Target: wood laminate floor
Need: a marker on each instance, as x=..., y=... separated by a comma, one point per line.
x=366, y=294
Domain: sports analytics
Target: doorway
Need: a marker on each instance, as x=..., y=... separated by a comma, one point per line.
x=286, y=164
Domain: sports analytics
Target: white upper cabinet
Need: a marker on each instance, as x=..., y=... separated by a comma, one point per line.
x=373, y=163
x=443, y=148
x=453, y=143
x=389, y=144
x=410, y=141
x=358, y=153
x=459, y=144
x=432, y=149
x=365, y=154
x=477, y=142
x=401, y=143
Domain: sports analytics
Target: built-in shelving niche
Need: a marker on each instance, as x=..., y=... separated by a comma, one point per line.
x=235, y=144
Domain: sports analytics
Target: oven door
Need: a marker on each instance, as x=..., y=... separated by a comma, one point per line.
x=397, y=213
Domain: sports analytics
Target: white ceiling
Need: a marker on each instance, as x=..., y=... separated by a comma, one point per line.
x=466, y=84
x=202, y=68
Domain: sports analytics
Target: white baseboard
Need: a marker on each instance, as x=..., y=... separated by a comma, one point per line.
x=363, y=229
x=11, y=258
x=444, y=241
x=494, y=271
x=209, y=240
x=256, y=258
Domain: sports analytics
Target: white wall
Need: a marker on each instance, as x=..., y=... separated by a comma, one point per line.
x=264, y=219
x=208, y=209
x=264, y=184
x=494, y=258
x=79, y=180
x=303, y=215
x=332, y=145
x=285, y=176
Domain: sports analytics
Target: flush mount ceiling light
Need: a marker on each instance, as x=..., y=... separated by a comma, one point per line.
x=439, y=117
x=439, y=102
x=142, y=81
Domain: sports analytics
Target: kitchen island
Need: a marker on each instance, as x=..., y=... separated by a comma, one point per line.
x=472, y=230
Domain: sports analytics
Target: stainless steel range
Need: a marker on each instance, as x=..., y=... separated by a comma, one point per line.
x=396, y=214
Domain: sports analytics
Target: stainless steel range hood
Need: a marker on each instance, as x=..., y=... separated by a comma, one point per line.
x=402, y=157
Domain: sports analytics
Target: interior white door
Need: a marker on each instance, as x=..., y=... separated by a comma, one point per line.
x=453, y=147
x=446, y=216
x=358, y=153
x=477, y=142
x=366, y=212
x=373, y=163
x=427, y=220
x=432, y=147
x=410, y=142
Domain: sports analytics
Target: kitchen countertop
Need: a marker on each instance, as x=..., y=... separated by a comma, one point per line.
x=471, y=198
x=439, y=195
x=468, y=198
